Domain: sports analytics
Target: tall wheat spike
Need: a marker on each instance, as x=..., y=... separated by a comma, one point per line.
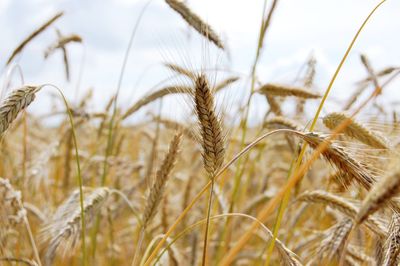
x=212, y=139
x=210, y=127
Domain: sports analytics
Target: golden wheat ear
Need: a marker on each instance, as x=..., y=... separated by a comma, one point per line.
x=344, y=206
x=282, y=122
x=392, y=243
x=15, y=103
x=156, y=193
x=355, y=130
x=355, y=170
x=212, y=139
x=271, y=89
x=333, y=245
x=21, y=46
x=162, y=175
x=195, y=22
x=65, y=227
x=380, y=195
x=11, y=210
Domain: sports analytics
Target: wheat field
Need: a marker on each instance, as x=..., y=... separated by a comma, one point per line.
x=317, y=187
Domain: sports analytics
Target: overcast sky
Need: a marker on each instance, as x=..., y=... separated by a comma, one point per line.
x=299, y=27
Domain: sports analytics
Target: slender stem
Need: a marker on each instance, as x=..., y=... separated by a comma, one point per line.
x=138, y=246
x=209, y=204
x=32, y=240
x=219, y=216
x=278, y=221
x=110, y=139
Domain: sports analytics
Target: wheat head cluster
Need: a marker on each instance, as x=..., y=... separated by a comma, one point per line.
x=317, y=187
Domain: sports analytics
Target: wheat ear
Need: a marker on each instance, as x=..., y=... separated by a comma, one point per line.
x=61, y=42
x=210, y=127
x=65, y=225
x=392, y=244
x=162, y=175
x=282, y=122
x=195, y=21
x=284, y=90
x=336, y=155
x=180, y=70
x=157, y=190
x=355, y=130
x=333, y=245
x=33, y=35
x=344, y=206
x=212, y=139
x=380, y=194
x=154, y=96
x=15, y=102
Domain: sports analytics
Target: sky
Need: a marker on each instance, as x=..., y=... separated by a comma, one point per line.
x=299, y=28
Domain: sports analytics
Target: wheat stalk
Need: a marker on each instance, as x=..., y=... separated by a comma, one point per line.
x=274, y=105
